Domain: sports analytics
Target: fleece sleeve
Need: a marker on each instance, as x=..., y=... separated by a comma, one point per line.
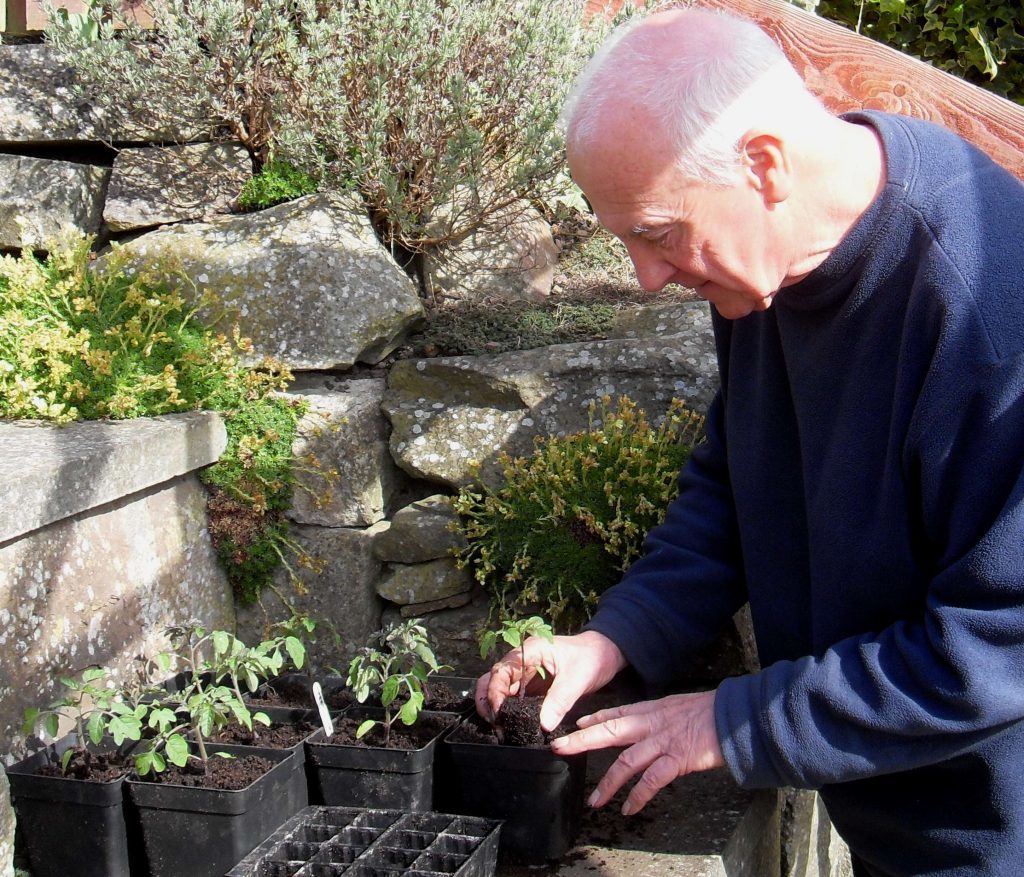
x=687, y=585
x=924, y=689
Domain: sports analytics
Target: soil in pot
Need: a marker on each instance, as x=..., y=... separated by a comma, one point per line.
x=517, y=724
x=296, y=690
x=91, y=767
x=279, y=735
x=409, y=737
x=226, y=774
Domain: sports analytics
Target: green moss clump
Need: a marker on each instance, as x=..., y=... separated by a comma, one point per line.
x=567, y=521
x=276, y=183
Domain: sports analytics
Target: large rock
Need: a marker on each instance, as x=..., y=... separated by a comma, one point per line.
x=810, y=845
x=42, y=197
x=306, y=280
x=159, y=185
x=511, y=257
x=340, y=593
x=449, y=412
x=39, y=103
x=423, y=530
x=345, y=431
x=428, y=582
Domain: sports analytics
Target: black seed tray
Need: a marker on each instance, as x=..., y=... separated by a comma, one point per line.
x=334, y=841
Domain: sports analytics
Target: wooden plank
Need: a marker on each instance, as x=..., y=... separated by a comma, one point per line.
x=849, y=71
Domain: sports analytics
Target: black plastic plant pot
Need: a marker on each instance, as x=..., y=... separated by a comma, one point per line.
x=537, y=794
x=196, y=832
x=69, y=826
x=356, y=842
x=375, y=776
x=298, y=788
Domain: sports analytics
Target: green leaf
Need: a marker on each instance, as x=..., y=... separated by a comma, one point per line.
x=91, y=674
x=65, y=760
x=296, y=650
x=364, y=728
x=28, y=727
x=991, y=67
x=252, y=681
x=122, y=729
x=411, y=709
x=221, y=642
x=176, y=749
x=94, y=727
x=51, y=724
x=390, y=690
x=262, y=718
x=487, y=643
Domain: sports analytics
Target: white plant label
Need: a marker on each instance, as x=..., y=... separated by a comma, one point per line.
x=325, y=716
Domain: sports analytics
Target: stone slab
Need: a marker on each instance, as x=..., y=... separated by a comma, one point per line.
x=52, y=472
x=101, y=587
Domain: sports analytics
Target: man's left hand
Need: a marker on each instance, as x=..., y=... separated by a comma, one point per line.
x=665, y=739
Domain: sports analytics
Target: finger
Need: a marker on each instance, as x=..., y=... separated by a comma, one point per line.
x=560, y=698
x=483, y=708
x=662, y=772
x=616, y=712
x=503, y=682
x=622, y=731
x=629, y=763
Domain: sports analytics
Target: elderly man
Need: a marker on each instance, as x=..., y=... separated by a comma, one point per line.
x=861, y=484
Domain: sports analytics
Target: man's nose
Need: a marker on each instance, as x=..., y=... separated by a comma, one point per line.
x=652, y=273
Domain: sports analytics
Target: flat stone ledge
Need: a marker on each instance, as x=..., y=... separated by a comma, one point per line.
x=48, y=473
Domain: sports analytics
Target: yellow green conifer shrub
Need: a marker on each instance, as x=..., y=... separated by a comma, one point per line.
x=568, y=520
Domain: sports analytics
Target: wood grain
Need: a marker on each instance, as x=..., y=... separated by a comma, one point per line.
x=849, y=71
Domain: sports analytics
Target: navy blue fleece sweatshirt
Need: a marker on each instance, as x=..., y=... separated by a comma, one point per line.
x=862, y=487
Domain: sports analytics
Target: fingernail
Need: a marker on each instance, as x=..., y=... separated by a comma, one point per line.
x=627, y=809
x=558, y=743
x=592, y=800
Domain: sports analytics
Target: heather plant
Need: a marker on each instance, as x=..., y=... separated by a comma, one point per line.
x=566, y=521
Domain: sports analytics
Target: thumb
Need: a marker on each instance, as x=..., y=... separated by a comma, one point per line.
x=560, y=698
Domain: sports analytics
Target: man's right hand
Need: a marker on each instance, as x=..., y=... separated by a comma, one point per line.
x=575, y=665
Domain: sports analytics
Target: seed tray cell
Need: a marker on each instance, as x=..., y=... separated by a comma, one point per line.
x=409, y=840
x=279, y=869
x=391, y=857
x=445, y=863
x=455, y=843
x=312, y=844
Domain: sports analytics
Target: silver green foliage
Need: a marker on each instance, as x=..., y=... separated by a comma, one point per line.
x=441, y=113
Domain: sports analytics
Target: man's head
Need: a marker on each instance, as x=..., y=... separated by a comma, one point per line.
x=683, y=132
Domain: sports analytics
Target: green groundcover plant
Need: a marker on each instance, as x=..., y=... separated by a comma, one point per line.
x=81, y=343
x=568, y=520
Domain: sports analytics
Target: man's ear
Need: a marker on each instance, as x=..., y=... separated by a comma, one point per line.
x=766, y=165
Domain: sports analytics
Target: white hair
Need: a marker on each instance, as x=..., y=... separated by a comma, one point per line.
x=706, y=80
